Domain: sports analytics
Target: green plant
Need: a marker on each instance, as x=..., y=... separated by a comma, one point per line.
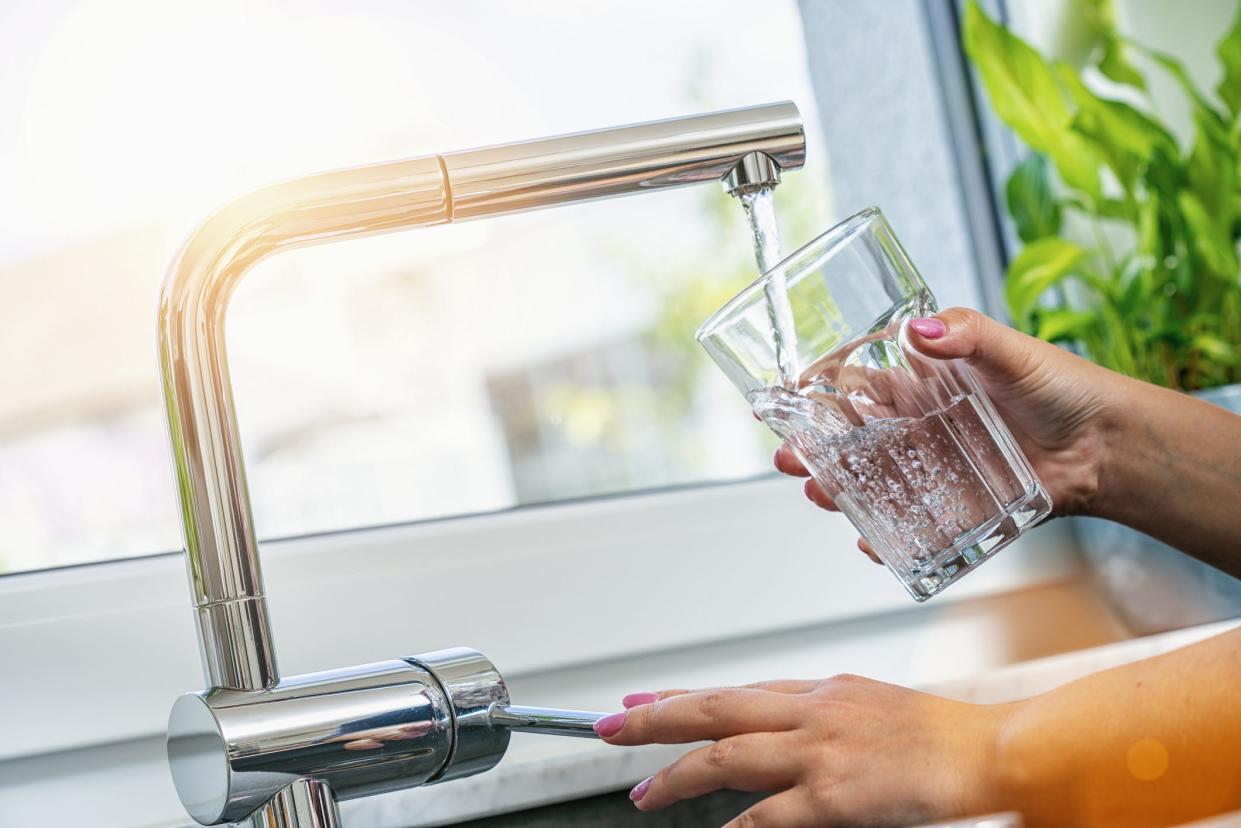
x=1155, y=292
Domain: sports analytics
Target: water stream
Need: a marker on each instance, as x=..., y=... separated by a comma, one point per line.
x=760, y=210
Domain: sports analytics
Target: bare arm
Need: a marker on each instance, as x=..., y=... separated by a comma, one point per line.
x=1174, y=471
x=1156, y=742
x=1103, y=444
x=1153, y=743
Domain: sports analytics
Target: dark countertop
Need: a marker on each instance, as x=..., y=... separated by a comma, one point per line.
x=615, y=809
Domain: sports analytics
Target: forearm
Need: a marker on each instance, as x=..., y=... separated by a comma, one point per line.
x=1156, y=742
x=1173, y=470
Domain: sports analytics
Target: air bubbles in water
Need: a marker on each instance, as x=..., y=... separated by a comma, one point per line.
x=921, y=482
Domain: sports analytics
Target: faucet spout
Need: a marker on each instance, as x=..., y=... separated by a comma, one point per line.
x=624, y=160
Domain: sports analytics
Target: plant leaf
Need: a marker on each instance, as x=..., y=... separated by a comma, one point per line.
x=1057, y=324
x=1040, y=265
x=1213, y=245
x=1124, y=137
x=1229, y=52
x=1029, y=199
x=1114, y=65
x=1112, y=208
x=1133, y=287
x=1174, y=68
x=1216, y=348
x=1212, y=170
x=1150, y=243
x=1101, y=15
x=1165, y=174
x=1024, y=92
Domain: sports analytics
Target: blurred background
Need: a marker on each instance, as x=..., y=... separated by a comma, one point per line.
x=465, y=369
x=470, y=368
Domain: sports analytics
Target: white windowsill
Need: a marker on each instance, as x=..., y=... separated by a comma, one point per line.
x=104, y=783
x=576, y=603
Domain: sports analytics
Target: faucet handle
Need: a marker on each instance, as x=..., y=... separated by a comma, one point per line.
x=482, y=717
x=472, y=686
x=547, y=720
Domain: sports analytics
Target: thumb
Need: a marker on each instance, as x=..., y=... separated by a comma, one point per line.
x=960, y=333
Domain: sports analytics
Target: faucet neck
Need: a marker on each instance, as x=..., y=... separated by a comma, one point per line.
x=745, y=146
x=226, y=581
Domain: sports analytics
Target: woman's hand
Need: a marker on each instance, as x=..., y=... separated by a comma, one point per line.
x=842, y=751
x=1153, y=742
x=1060, y=407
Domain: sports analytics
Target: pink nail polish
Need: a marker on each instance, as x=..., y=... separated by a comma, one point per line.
x=635, y=699
x=610, y=725
x=639, y=790
x=929, y=328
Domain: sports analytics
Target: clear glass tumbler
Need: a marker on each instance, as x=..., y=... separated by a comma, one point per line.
x=911, y=448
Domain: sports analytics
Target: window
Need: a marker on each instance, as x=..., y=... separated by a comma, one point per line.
x=456, y=370
x=445, y=372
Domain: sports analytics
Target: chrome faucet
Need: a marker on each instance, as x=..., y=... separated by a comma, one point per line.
x=280, y=751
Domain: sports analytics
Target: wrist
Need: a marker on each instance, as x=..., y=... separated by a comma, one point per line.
x=1030, y=771
x=976, y=783
x=1122, y=435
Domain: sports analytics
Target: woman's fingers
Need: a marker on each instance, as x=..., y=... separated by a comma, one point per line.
x=819, y=497
x=749, y=762
x=774, y=686
x=816, y=494
x=791, y=809
x=787, y=462
x=692, y=717
x=823, y=500
x=792, y=686
x=961, y=333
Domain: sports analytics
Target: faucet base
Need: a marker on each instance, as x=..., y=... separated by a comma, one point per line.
x=307, y=803
x=358, y=731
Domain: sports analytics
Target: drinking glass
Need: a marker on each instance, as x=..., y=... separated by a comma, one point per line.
x=910, y=448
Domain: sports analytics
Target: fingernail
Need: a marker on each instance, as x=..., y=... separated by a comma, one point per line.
x=639, y=790
x=929, y=328
x=610, y=725
x=635, y=699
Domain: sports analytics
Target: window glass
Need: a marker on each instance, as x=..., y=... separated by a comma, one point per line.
x=449, y=371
